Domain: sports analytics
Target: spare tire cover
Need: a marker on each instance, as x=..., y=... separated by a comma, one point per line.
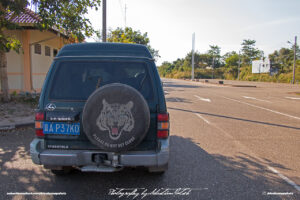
x=116, y=117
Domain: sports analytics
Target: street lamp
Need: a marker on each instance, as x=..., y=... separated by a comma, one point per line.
x=294, y=66
x=239, y=65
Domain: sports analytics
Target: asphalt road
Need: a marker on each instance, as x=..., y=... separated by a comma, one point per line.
x=226, y=143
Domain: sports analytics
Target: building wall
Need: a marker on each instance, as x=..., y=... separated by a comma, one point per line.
x=15, y=65
x=40, y=63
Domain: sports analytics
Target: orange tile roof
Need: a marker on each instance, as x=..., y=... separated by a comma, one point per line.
x=29, y=18
x=26, y=17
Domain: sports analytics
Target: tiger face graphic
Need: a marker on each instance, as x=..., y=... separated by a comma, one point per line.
x=115, y=118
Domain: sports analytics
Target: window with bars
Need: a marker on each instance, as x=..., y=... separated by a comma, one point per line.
x=47, y=51
x=37, y=49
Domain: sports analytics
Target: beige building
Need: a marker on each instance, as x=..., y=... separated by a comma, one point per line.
x=27, y=70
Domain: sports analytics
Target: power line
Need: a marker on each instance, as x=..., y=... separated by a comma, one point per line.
x=123, y=12
x=121, y=7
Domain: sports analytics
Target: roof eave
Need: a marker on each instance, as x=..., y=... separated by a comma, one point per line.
x=32, y=25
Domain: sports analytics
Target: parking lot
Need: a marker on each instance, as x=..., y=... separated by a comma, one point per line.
x=226, y=143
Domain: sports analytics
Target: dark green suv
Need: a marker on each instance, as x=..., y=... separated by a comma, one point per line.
x=102, y=108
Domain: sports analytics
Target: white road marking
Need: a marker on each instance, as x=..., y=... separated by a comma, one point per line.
x=256, y=99
x=201, y=117
x=202, y=99
x=273, y=111
x=286, y=179
x=177, y=100
x=294, y=98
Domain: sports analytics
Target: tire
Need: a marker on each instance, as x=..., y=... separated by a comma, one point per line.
x=116, y=117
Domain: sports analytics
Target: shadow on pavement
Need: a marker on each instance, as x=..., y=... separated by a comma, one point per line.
x=210, y=176
x=235, y=118
x=181, y=85
x=177, y=99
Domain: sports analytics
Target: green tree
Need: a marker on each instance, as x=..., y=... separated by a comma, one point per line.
x=128, y=35
x=249, y=51
x=215, y=55
x=67, y=16
x=187, y=63
x=205, y=61
x=231, y=64
x=282, y=60
x=165, y=68
x=231, y=59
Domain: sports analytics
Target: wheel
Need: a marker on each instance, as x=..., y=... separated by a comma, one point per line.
x=116, y=117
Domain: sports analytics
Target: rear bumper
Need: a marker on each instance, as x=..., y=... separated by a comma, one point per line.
x=52, y=157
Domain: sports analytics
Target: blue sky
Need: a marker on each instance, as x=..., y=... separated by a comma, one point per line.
x=225, y=23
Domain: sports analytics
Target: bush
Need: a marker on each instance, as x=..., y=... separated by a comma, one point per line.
x=230, y=73
x=181, y=75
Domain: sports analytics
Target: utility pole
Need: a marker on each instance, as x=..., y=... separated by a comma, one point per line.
x=104, y=21
x=295, y=49
x=213, y=66
x=193, y=51
x=239, y=65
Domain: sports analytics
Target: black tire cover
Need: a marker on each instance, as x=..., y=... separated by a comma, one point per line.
x=116, y=117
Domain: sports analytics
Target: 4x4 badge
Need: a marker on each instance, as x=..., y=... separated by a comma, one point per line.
x=50, y=107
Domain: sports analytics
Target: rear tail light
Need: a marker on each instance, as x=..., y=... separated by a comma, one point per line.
x=38, y=125
x=163, y=126
x=39, y=132
x=163, y=117
x=162, y=134
x=39, y=118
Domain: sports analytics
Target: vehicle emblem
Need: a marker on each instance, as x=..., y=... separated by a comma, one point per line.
x=50, y=107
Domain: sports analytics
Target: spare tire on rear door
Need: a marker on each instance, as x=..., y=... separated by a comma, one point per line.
x=116, y=117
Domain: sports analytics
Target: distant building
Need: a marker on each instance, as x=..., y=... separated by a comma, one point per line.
x=261, y=66
x=27, y=70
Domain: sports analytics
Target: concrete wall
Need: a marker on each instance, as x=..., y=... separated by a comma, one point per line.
x=40, y=63
x=15, y=65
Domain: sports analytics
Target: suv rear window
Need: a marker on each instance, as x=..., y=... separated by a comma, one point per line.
x=77, y=80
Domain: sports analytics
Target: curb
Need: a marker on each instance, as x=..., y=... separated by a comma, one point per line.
x=15, y=126
x=220, y=84
x=254, y=86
